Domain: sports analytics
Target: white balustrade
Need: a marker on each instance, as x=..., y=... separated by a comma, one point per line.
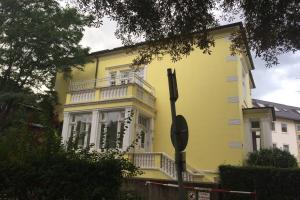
x=145, y=97
x=110, y=89
x=83, y=96
x=144, y=160
x=114, y=92
x=82, y=85
x=167, y=164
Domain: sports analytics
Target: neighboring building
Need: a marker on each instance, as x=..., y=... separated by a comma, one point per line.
x=214, y=97
x=286, y=128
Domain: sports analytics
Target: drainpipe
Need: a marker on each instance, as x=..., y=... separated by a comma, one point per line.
x=96, y=73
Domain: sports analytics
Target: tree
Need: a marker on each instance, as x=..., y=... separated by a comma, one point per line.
x=272, y=158
x=37, y=39
x=272, y=27
x=167, y=26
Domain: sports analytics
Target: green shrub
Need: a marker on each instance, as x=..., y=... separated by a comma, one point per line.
x=47, y=171
x=269, y=183
x=271, y=158
x=64, y=177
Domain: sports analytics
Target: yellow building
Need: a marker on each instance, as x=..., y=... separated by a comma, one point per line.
x=214, y=97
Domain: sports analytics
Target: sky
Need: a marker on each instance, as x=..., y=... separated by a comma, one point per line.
x=280, y=84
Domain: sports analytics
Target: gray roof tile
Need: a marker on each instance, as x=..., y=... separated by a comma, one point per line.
x=282, y=111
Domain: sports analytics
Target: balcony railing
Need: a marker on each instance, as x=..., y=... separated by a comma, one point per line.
x=109, y=81
x=131, y=86
x=164, y=163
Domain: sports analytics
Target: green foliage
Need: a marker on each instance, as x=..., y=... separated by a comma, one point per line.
x=38, y=39
x=170, y=22
x=271, y=158
x=269, y=183
x=33, y=170
x=271, y=27
x=28, y=108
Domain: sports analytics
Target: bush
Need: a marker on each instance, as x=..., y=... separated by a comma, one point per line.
x=269, y=183
x=271, y=158
x=48, y=171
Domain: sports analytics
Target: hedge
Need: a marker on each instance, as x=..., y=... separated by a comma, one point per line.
x=269, y=183
x=61, y=178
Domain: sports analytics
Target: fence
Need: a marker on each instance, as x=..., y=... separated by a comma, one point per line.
x=155, y=189
x=165, y=189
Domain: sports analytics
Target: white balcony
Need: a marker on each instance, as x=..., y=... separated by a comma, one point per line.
x=110, y=89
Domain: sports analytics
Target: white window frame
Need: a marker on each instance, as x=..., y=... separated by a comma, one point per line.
x=124, y=79
x=282, y=127
x=104, y=122
x=284, y=147
x=298, y=127
x=113, y=78
x=273, y=126
x=75, y=118
x=146, y=128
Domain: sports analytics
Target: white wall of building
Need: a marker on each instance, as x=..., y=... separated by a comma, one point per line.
x=281, y=138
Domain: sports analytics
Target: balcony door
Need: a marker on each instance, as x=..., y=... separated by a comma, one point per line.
x=80, y=131
x=144, y=133
x=111, y=130
x=256, y=135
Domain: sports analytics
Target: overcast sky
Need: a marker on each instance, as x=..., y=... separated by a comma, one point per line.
x=279, y=84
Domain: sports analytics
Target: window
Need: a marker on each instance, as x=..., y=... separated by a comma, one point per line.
x=298, y=137
x=140, y=76
x=113, y=77
x=255, y=124
x=286, y=147
x=298, y=127
x=256, y=140
x=124, y=77
x=256, y=135
x=112, y=130
x=144, y=130
x=274, y=145
x=284, y=127
x=141, y=72
x=81, y=129
x=273, y=126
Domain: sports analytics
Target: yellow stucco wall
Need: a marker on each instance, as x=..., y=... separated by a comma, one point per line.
x=203, y=94
x=203, y=100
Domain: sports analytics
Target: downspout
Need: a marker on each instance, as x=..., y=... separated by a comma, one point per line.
x=96, y=73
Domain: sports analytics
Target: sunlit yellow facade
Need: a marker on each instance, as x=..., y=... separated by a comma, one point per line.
x=213, y=90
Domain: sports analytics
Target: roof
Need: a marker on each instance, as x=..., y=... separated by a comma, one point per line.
x=281, y=110
x=237, y=24
x=262, y=109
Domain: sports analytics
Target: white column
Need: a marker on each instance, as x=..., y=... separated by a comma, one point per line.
x=65, y=130
x=266, y=133
x=127, y=139
x=248, y=144
x=150, y=136
x=94, y=129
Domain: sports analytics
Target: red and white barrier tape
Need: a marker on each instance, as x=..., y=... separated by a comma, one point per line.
x=203, y=189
